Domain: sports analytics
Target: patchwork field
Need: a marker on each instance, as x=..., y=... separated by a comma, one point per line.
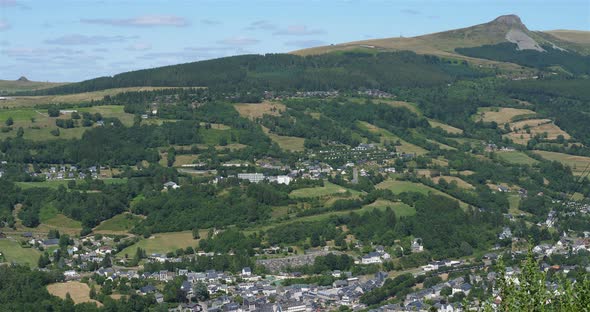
x=13, y=252
x=254, y=111
x=576, y=163
x=550, y=129
x=327, y=189
x=501, y=115
x=79, y=292
x=163, y=243
x=37, y=125
x=517, y=158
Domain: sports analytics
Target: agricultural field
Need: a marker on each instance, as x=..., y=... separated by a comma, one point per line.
x=13, y=252
x=327, y=189
x=405, y=147
x=576, y=163
x=79, y=292
x=400, y=209
x=460, y=183
x=29, y=101
x=254, y=111
x=37, y=125
x=54, y=184
x=448, y=128
x=287, y=143
x=163, y=243
x=552, y=130
x=60, y=222
x=119, y=223
x=516, y=157
x=501, y=115
x=398, y=187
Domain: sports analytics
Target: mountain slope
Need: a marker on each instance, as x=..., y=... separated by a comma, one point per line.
x=506, y=28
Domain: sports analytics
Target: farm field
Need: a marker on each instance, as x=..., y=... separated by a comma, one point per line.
x=13, y=252
x=398, y=187
x=163, y=243
x=119, y=223
x=576, y=163
x=61, y=221
x=552, y=130
x=448, y=128
x=254, y=111
x=516, y=157
x=286, y=142
x=79, y=292
x=29, y=101
x=460, y=183
x=388, y=136
x=37, y=125
x=327, y=189
x=400, y=209
x=501, y=115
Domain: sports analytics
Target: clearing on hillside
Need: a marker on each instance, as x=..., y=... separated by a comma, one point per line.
x=119, y=223
x=257, y=110
x=287, y=143
x=163, y=243
x=460, y=183
x=405, y=147
x=448, y=128
x=24, y=101
x=400, y=209
x=327, y=189
x=515, y=157
x=501, y=115
x=551, y=130
x=13, y=252
x=79, y=292
x=576, y=163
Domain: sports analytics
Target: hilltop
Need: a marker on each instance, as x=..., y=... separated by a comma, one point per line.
x=504, y=29
x=23, y=84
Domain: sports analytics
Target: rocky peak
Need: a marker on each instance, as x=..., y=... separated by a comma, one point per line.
x=510, y=20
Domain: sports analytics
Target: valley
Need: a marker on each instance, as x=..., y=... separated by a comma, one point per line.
x=382, y=175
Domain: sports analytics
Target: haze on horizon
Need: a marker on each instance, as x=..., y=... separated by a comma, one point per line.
x=75, y=40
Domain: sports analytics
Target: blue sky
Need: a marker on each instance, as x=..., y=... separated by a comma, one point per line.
x=51, y=40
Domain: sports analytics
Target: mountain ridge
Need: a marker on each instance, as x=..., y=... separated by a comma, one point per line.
x=505, y=28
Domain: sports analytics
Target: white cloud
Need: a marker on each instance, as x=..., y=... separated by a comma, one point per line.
x=211, y=22
x=298, y=30
x=13, y=4
x=78, y=39
x=238, y=41
x=140, y=46
x=140, y=21
x=262, y=25
x=4, y=25
x=410, y=11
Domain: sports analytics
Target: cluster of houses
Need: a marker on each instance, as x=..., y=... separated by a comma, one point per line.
x=64, y=172
x=256, y=293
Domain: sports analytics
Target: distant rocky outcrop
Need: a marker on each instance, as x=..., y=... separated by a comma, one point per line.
x=23, y=79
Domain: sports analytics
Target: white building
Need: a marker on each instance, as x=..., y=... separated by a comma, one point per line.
x=252, y=177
